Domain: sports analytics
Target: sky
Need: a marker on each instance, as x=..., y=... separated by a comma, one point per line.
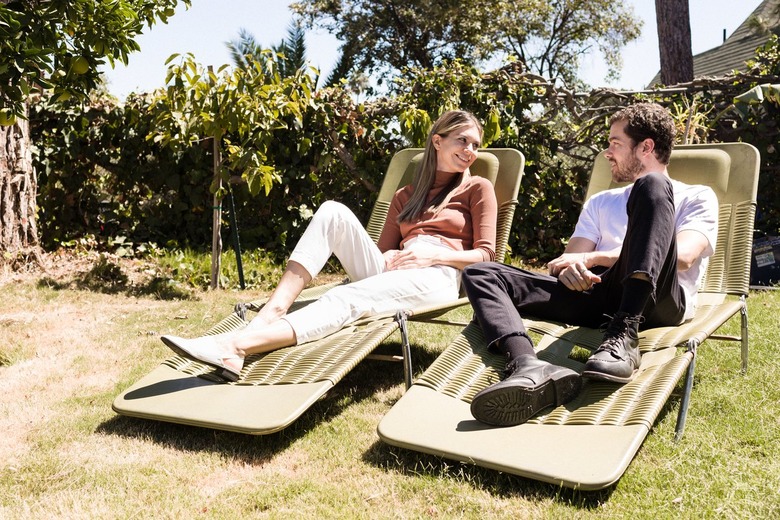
x=204, y=28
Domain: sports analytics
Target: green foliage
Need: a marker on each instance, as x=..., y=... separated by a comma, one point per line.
x=756, y=122
x=192, y=269
x=383, y=36
x=143, y=170
x=140, y=173
x=99, y=175
x=58, y=45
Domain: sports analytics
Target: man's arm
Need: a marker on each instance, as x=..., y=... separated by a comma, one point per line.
x=582, y=250
x=691, y=244
x=572, y=267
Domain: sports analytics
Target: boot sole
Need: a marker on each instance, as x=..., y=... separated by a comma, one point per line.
x=510, y=405
x=224, y=373
x=609, y=378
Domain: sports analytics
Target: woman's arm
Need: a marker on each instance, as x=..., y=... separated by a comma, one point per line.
x=483, y=209
x=390, y=238
x=413, y=259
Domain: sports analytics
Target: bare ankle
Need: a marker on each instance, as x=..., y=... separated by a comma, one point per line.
x=270, y=313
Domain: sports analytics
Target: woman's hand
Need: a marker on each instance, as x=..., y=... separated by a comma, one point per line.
x=389, y=254
x=409, y=259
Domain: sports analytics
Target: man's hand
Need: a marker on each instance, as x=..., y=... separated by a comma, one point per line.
x=571, y=270
x=577, y=277
x=557, y=265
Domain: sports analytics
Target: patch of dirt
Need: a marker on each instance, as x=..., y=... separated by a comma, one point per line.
x=60, y=339
x=33, y=388
x=65, y=265
x=65, y=348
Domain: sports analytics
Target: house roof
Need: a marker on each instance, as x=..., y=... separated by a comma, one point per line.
x=738, y=48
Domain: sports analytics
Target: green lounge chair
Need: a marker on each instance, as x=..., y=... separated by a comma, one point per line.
x=561, y=446
x=276, y=388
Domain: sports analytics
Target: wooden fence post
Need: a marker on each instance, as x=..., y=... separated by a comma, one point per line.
x=216, y=239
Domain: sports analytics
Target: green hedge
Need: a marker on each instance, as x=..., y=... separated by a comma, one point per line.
x=143, y=171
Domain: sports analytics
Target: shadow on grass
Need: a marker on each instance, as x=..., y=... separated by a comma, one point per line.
x=363, y=382
x=108, y=278
x=505, y=485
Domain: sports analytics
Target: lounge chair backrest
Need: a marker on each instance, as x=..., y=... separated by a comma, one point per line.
x=731, y=170
x=502, y=166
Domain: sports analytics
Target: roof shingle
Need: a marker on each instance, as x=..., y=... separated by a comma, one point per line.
x=738, y=48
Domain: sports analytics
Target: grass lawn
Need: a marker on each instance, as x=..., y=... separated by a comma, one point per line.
x=67, y=351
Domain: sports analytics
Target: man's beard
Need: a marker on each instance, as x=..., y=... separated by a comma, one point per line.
x=627, y=172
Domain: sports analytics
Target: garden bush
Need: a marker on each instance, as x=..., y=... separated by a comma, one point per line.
x=144, y=170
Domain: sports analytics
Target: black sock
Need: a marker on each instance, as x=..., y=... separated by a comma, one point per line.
x=517, y=345
x=636, y=293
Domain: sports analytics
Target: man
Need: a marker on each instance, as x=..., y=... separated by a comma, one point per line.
x=637, y=254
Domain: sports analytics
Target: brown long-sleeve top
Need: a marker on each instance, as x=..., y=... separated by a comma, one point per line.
x=468, y=221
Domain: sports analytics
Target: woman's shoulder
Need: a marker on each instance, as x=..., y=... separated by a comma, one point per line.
x=478, y=182
x=405, y=190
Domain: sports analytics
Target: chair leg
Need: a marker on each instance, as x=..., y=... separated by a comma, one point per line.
x=744, y=315
x=240, y=309
x=687, y=389
x=406, y=350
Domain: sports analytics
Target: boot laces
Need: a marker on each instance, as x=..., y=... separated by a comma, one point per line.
x=510, y=368
x=616, y=330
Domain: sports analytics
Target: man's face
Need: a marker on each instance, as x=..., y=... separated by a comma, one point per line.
x=623, y=154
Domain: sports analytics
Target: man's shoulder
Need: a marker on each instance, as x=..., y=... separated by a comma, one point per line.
x=611, y=194
x=693, y=191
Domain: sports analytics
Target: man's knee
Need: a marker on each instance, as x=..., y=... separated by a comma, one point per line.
x=478, y=270
x=331, y=207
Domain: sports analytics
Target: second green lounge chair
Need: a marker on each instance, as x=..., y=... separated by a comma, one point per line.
x=589, y=442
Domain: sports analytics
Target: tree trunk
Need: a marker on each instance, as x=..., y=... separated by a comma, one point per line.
x=674, y=41
x=18, y=191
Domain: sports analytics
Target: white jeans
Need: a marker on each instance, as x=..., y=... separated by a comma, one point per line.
x=334, y=229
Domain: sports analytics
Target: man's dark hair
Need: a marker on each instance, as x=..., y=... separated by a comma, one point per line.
x=649, y=121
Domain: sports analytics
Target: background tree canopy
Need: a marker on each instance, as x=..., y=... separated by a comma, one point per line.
x=143, y=171
x=58, y=45
x=385, y=36
x=53, y=48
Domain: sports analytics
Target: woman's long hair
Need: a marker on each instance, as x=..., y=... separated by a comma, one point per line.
x=425, y=175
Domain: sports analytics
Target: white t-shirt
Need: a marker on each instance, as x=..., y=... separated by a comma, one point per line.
x=604, y=221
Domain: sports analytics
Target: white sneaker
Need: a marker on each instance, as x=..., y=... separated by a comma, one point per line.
x=206, y=350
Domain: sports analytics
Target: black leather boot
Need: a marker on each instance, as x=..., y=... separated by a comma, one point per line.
x=532, y=386
x=617, y=359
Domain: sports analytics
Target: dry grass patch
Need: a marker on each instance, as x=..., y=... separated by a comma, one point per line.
x=68, y=352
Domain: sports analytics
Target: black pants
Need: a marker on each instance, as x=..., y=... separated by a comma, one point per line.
x=500, y=294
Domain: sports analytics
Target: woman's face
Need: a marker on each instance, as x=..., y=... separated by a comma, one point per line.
x=458, y=150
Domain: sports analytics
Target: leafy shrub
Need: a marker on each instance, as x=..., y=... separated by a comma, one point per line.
x=144, y=170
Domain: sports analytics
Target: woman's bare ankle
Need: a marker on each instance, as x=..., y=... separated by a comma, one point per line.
x=269, y=313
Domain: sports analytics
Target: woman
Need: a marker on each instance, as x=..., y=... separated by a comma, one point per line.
x=442, y=222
